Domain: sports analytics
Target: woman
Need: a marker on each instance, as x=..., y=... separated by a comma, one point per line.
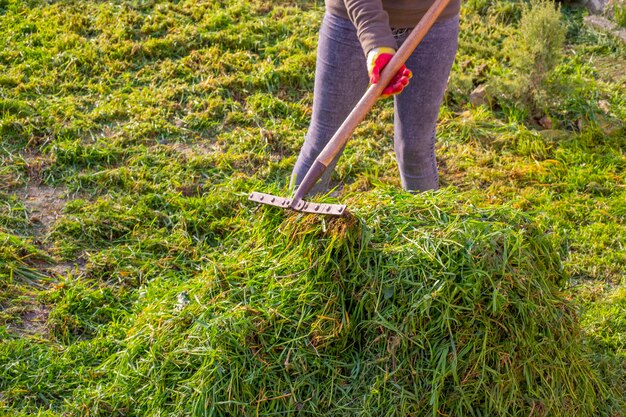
x=357, y=39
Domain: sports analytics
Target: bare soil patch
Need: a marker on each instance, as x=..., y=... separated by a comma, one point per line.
x=44, y=204
x=190, y=150
x=33, y=321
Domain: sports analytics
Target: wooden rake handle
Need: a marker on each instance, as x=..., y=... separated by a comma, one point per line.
x=368, y=100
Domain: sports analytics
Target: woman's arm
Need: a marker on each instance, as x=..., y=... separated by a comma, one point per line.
x=372, y=24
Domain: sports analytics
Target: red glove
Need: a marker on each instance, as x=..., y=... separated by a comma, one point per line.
x=377, y=59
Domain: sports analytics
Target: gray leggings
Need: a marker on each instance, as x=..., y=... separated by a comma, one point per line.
x=341, y=79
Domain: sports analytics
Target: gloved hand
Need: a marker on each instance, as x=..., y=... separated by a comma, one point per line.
x=377, y=59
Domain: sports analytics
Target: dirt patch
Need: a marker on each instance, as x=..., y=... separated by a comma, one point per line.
x=33, y=321
x=196, y=149
x=64, y=268
x=45, y=204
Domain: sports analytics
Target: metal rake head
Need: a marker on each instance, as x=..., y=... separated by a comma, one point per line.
x=298, y=205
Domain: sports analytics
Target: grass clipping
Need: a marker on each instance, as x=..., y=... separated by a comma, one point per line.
x=424, y=307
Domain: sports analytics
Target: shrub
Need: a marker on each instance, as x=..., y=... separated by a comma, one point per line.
x=533, y=51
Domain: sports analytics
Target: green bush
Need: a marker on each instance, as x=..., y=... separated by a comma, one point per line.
x=534, y=50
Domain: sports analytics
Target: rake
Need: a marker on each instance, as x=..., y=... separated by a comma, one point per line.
x=341, y=136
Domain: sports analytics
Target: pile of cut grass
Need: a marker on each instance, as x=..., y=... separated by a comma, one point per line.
x=423, y=306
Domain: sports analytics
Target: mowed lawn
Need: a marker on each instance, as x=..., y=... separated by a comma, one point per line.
x=136, y=278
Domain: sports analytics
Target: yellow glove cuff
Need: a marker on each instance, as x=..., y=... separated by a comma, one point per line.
x=373, y=55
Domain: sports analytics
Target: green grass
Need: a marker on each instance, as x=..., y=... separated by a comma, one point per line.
x=619, y=13
x=393, y=316
x=155, y=288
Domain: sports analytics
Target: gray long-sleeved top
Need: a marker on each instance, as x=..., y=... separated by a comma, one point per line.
x=374, y=19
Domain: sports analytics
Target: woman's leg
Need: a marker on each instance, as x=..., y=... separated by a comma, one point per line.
x=417, y=107
x=340, y=81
